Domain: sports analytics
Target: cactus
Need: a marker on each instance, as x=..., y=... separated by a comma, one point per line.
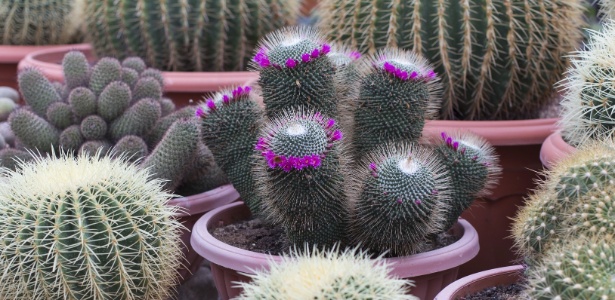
x=497, y=59
x=113, y=238
x=589, y=91
x=315, y=274
x=40, y=22
x=299, y=175
x=582, y=269
x=607, y=9
x=204, y=35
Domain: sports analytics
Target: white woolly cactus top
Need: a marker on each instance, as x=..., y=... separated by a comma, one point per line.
x=323, y=275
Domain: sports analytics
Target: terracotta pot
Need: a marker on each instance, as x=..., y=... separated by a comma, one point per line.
x=517, y=143
x=307, y=6
x=555, y=149
x=181, y=87
x=480, y=281
x=192, y=208
x=431, y=271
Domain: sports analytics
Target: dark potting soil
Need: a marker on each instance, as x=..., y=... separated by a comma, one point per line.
x=259, y=236
x=500, y=292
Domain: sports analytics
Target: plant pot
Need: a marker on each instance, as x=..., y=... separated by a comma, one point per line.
x=183, y=88
x=480, y=281
x=191, y=209
x=554, y=149
x=431, y=271
x=517, y=143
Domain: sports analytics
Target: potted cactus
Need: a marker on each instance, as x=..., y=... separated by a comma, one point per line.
x=498, y=61
x=201, y=47
x=117, y=107
x=330, y=168
x=86, y=227
x=30, y=25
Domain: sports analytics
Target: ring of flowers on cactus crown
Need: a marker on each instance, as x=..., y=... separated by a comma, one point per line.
x=263, y=61
x=404, y=75
x=288, y=163
x=455, y=145
x=221, y=99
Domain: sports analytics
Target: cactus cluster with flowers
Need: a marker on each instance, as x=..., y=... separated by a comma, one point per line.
x=334, y=156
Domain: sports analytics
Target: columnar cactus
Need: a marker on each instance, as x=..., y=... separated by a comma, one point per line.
x=86, y=227
x=201, y=35
x=315, y=274
x=589, y=96
x=40, y=22
x=497, y=59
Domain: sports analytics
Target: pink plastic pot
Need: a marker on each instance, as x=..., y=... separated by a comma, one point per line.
x=431, y=271
x=480, y=281
x=191, y=209
x=181, y=87
x=517, y=143
x=554, y=149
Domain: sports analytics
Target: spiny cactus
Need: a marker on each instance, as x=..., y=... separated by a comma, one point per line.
x=583, y=269
x=40, y=22
x=86, y=227
x=348, y=275
x=593, y=216
x=589, y=96
x=497, y=59
x=203, y=35
x=299, y=176
x=607, y=9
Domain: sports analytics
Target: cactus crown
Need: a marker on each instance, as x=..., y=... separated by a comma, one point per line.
x=290, y=46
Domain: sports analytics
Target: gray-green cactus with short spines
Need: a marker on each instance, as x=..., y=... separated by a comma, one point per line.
x=99, y=109
x=203, y=35
x=497, y=59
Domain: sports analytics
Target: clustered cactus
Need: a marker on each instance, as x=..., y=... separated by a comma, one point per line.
x=118, y=107
x=40, y=22
x=200, y=35
x=497, y=59
x=310, y=175
x=86, y=227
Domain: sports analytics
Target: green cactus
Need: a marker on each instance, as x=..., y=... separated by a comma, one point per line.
x=593, y=216
x=60, y=115
x=34, y=131
x=132, y=147
x=114, y=100
x=40, y=22
x=139, y=119
x=37, y=91
x=113, y=238
x=589, y=91
x=497, y=59
x=93, y=128
x=299, y=175
x=203, y=35
x=10, y=158
x=76, y=70
x=348, y=275
x=203, y=174
x=582, y=269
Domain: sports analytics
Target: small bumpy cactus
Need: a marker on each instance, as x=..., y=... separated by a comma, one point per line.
x=497, y=59
x=350, y=275
x=582, y=269
x=86, y=227
x=299, y=176
x=40, y=22
x=202, y=35
x=589, y=96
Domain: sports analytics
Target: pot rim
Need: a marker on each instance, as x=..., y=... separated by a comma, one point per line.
x=499, y=275
x=554, y=149
x=205, y=201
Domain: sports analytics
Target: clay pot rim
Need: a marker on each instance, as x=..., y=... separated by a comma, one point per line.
x=15, y=53
x=452, y=290
x=245, y=261
x=205, y=201
x=554, y=149
x=173, y=81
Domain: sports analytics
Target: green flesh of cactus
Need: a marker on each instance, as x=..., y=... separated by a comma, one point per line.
x=195, y=35
x=497, y=59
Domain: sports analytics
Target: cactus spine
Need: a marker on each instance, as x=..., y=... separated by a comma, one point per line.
x=497, y=59
x=201, y=35
x=86, y=228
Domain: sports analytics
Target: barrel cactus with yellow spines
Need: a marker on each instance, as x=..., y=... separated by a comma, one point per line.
x=182, y=35
x=497, y=59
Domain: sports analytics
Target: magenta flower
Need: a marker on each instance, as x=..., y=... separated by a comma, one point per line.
x=199, y=112
x=305, y=57
x=354, y=55
x=291, y=63
x=210, y=104
x=330, y=123
x=336, y=136
x=326, y=48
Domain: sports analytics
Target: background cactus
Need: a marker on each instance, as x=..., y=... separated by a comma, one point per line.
x=114, y=236
x=203, y=35
x=497, y=59
x=326, y=275
x=40, y=22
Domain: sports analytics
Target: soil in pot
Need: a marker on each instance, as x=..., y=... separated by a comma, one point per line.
x=500, y=292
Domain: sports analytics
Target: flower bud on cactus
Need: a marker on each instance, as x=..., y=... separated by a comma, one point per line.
x=300, y=177
x=296, y=72
x=399, y=193
x=398, y=91
x=86, y=228
x=473, y=167
x=349, y=275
